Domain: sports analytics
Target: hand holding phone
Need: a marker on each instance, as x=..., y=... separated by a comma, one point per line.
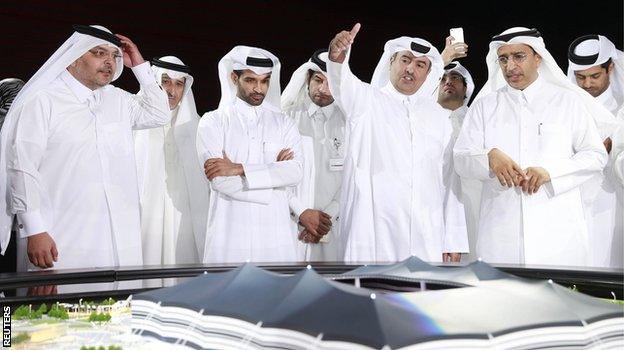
x=457, y=34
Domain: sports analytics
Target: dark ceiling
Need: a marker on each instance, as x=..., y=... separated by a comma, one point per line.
x=201, y=32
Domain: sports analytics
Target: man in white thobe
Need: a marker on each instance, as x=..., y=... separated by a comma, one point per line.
x=252, y=154
x=315, y=202
x=456, y=88
x=616, y=167
x=397, y=193
x=68, y=152
x=174, y=190
x=530, y=138
x=598, y=67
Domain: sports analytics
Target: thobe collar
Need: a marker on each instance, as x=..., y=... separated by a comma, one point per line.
x=459, y=112
x=395, y=94
x=81, y=92
x=530, y=93
x=246, y=108
x=607, y=99
x=327, y=111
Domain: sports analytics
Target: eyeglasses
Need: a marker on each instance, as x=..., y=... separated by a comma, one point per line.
x=103, y=54
x=517, y=58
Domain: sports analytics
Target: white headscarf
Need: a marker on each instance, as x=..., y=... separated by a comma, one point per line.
x=418, y=47
x=178, y=70
x=548, y=70
x=297, y=89
x=593, y=50
x=254, y=59
x=461, y=70
x=72, y=49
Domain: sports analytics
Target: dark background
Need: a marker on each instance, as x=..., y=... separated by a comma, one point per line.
x=201, y=32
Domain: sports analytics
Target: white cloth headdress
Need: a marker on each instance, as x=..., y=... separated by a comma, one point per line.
x=83, y=39
x=593, y=50
x=548, y=70
x=184, y=127
x=260, y=62
x=461, y=70
x=297, y=89
x=418, y=47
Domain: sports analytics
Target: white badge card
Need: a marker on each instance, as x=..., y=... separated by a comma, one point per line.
x=335, y=164
x=457, y=34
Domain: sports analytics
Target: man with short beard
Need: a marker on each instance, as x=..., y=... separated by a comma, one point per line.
x=595, y=65
x=315, y=203
x=252, y=154
x=398, y=197
x=530, y=137
x=68, y=153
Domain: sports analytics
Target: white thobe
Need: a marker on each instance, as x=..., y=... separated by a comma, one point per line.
x=470, y=190
x=174, y=195
x=541, y=126
x=325, y=126
x=616, y=167
x=72, y=171
x=249, y=218
x=397, y=198
x=599, y=196
x=608, y=100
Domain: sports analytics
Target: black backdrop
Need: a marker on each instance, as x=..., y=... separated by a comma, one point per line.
x=201, y=32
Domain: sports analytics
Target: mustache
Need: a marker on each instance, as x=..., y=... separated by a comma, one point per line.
x=322, y=95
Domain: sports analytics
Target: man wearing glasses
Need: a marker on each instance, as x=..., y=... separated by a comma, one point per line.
x=530, y=139
x=68, y=155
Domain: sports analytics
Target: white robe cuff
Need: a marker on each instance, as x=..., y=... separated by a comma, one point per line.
x=143, y=73
x=257, y=176
x=297, y=208
x=332, y=209
x=31, y=223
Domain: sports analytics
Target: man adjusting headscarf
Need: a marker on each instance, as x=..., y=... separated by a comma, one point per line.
x=68, y=158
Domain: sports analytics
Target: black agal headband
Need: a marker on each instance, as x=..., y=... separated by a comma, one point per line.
x=578, y=59
x=171, y=66
x=98, y=33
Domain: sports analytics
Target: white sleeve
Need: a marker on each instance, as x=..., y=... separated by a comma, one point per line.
x=210, y=145
x=470, y=157
x=348, y=91
x=278, y=174
x=590, y=155
x=149, y=108
x=25, y=151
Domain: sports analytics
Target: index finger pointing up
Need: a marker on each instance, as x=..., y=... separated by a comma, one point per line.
x=354, y=30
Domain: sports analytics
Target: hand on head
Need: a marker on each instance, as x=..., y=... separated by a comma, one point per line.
x=131, y=55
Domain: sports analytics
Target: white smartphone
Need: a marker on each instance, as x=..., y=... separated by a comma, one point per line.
x=457, y=34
